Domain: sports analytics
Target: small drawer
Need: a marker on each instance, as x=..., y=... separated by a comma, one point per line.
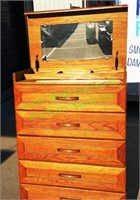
x=74, y=125
x=36, y=192
x=92, y=98
x=83, y=151
x=73, y=175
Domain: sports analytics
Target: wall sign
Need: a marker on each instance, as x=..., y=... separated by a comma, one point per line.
x=133, y=44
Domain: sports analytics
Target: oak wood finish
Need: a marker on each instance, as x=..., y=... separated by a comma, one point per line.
x=71, y=127
x=73, y=175
x=107, y=98
x=84, y=151
x=35, y=192
x=91, y=125
x=87, y=76
x=87, y=15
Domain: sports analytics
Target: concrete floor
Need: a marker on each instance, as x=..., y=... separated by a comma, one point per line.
x=9, y=166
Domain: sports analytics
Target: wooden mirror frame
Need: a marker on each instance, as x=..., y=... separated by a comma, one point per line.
x=117, y=14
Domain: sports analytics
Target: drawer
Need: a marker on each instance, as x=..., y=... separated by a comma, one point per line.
x=98, y=98
x=36, y=192
x=84, y=151
x=75, y=125
x=73, y=175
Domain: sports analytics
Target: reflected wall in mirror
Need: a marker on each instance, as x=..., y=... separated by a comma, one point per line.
x=77, y=41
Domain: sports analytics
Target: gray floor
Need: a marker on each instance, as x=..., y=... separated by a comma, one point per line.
x=9, y=166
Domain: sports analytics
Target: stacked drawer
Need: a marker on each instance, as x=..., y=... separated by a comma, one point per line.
x=71, y=141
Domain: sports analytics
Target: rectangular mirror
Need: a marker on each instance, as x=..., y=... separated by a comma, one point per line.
x=77, y=41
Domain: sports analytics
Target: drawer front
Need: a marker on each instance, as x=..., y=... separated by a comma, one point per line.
x=83, y=151
x=35, y=192
x=73, y=175
x=106, y=98
x=76, y=125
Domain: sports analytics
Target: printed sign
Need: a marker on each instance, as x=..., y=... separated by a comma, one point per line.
x=133, y=44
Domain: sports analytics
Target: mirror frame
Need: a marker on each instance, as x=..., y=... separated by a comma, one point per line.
x=117, y=14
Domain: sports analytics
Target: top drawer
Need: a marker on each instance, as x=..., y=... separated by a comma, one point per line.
x=92, y=98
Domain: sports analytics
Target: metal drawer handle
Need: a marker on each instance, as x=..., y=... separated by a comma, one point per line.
x=69, y=175
x=68, y=125
x=67, y=98
x=63, y=198
x=68, y=150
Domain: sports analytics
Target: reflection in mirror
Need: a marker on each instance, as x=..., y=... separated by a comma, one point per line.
x=77, y=41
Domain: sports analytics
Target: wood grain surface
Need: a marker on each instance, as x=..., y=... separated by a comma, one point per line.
x=73, y=175
x=35, y=192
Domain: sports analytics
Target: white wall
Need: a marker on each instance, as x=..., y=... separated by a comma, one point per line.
x=55, y=4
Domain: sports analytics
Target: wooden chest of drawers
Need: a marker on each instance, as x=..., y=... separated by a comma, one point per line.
x=71, y=114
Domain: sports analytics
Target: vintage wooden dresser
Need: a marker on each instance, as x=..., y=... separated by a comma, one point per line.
x=70, y=105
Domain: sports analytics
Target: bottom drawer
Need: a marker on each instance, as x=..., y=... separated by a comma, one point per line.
x=33, y=192
x=72, y=175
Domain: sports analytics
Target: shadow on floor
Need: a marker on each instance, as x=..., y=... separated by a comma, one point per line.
x=5, y=154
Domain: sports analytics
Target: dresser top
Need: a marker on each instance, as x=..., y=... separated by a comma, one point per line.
x=77, y=11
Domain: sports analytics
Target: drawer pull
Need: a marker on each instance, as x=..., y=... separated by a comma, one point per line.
x=67, y=98
x=68, y=150
x=63, y=198
x=69, y=175
x=68, y=125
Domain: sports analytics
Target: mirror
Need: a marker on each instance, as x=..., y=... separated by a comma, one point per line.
x=77, y=41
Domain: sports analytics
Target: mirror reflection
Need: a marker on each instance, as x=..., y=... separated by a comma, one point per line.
x=77, y=41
